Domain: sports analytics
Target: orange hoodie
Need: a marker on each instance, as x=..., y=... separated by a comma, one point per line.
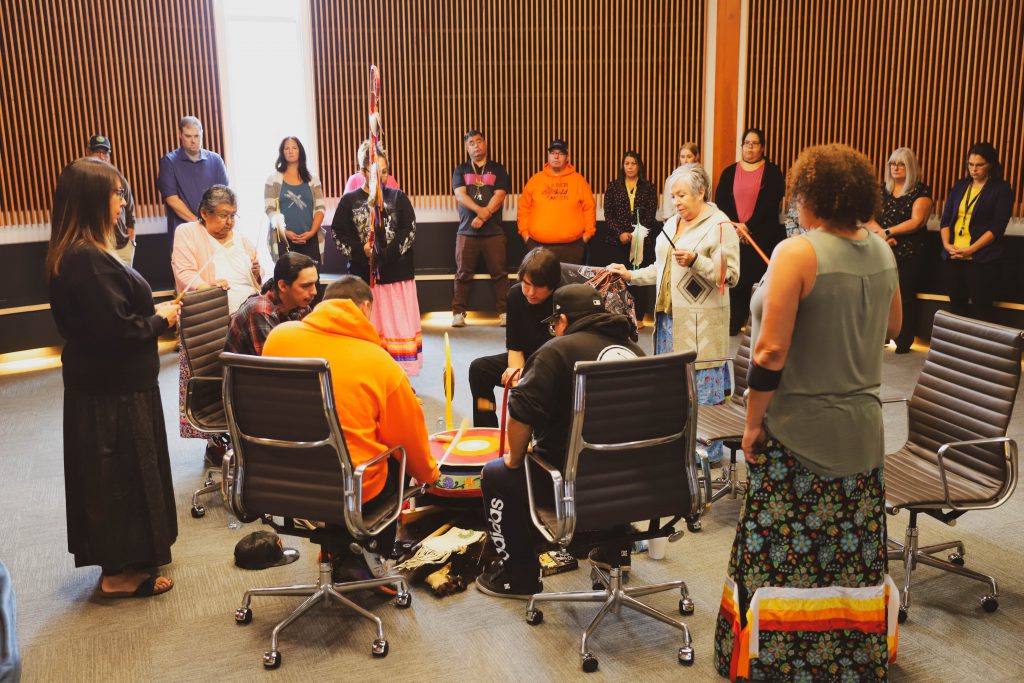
x=557, y=209
x=375, y=402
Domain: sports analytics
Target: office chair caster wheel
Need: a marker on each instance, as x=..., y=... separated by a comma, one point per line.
x=198, y=511
x=403, y=600
x=686, y=606
x=902, y=615
x=589, y=663
x=271, y=659
x=380, y=648
x=695, y=526
x=243, y=616
x=686, y=656
x=957, y=559
x=534, y=617
x=989, y=603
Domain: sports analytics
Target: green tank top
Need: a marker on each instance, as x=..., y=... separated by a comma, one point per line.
x=827, y=410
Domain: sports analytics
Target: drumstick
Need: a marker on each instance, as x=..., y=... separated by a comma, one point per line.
x=198, y=271
x=455, y=440
x=745, y=234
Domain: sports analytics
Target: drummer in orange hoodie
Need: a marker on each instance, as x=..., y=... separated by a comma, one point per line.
x=556, y=208
x=375, y=402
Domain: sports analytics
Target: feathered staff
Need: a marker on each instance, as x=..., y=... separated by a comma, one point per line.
x=376, y=198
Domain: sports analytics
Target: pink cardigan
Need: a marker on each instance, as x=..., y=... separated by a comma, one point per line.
x=193, y=248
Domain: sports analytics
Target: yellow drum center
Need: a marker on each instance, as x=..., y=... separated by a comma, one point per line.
x=474, y=445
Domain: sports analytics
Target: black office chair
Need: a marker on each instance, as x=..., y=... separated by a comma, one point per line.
x=957, y=456
x=631, y=455
x=291, y=461
x=203, y=326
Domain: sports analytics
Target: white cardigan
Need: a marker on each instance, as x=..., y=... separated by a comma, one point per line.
x=700, y=311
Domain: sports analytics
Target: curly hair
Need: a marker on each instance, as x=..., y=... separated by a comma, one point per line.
x=836, y=183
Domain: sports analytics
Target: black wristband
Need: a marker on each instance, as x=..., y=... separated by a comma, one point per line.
x=762, y=379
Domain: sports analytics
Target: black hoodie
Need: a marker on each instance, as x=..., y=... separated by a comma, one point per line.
x=543, y=397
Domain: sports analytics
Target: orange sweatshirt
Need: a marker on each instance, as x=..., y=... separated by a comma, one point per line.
x=375, y=402
x=556, y=209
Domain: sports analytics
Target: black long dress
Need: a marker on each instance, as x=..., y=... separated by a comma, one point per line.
x=117, y=472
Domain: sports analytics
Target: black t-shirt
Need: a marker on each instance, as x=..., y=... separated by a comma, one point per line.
x=526, y=330
x=105, y=311
x=543, y=398
x=480, y=187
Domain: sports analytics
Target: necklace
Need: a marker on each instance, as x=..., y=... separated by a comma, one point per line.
x=479, y=173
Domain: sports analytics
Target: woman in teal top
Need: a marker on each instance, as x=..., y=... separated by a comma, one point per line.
x=806, y=590
x=295, y=193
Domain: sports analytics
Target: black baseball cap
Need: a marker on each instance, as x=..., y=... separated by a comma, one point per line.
x=99, y=142
x=262, y=549
x=575, y=301
x=560, y=145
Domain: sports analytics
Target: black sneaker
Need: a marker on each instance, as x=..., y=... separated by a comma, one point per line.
x=214, y=455
x=601, y=557
x=502, y=582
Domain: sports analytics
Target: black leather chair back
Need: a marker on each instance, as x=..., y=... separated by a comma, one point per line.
x=632, y=443
x=740, y=365
x=291, y=458
x=966, y=391
x=203, y=325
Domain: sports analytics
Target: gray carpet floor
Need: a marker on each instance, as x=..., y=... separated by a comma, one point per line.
x=68, y=634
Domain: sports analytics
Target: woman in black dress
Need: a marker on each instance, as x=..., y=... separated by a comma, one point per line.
x=906, y=205
x=631, y=200
x=117, y=472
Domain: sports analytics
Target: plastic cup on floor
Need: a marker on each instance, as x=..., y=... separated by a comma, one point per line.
x=656, y=548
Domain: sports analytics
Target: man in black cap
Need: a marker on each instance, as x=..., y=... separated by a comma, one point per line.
x=556, y=208
x=541, y=406
x=99, y=148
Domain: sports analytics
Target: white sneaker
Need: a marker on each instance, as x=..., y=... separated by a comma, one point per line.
x=502, y=319
x=458, y=320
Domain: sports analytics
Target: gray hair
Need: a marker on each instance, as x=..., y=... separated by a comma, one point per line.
x=188, y=122
x=694, y=177
x=363, y=155
x=904, y=155
x=217, y=195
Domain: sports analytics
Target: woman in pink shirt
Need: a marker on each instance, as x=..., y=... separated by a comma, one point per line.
x=750, y=192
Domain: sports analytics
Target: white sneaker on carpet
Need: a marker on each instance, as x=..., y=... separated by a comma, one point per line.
x=458, y=320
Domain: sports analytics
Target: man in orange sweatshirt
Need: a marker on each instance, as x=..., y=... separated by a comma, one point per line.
x=556, y=208
x=375, y=402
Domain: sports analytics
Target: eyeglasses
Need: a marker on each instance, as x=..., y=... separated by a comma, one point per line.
x=122, y=192
x=224, y=216
x=897, y=164
x=751, y=144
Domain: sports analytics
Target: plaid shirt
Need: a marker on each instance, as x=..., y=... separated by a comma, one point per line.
x=254, y=320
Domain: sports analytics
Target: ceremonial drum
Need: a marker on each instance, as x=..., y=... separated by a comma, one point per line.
x=460, y=473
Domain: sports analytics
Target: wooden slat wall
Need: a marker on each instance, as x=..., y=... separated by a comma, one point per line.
x=128, y=69
x=933, y=76
x=608, y=76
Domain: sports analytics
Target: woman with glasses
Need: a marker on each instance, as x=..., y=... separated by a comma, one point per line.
x=209, y=253
x=750, y=193
x=972, y=225
x=117, y=470
x=696, y=262
x=906, y=205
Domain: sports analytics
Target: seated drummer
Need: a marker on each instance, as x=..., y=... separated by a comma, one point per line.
x=528, y=306
x=541, y=405
x=372, y=394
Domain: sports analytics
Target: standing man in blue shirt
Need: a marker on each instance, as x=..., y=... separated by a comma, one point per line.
x=188, y=172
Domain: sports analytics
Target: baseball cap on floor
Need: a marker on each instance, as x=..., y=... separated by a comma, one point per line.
x=99, y=142
x=574, y=301
x=262, y=549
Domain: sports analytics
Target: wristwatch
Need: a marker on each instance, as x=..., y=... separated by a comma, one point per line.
x=888, y=233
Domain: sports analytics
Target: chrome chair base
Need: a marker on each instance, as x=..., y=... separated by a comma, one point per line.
x=911, y=554
x=210, y=485
x=728, y=483
x=608, y=589
x=324, y=590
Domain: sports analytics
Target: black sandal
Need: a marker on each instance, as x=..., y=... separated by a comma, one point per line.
x=146, y=589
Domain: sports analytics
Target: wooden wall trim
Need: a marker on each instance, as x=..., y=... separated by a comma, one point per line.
x=880, y=74
x=128, y=69
x=727, y=74
x=606, y=76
